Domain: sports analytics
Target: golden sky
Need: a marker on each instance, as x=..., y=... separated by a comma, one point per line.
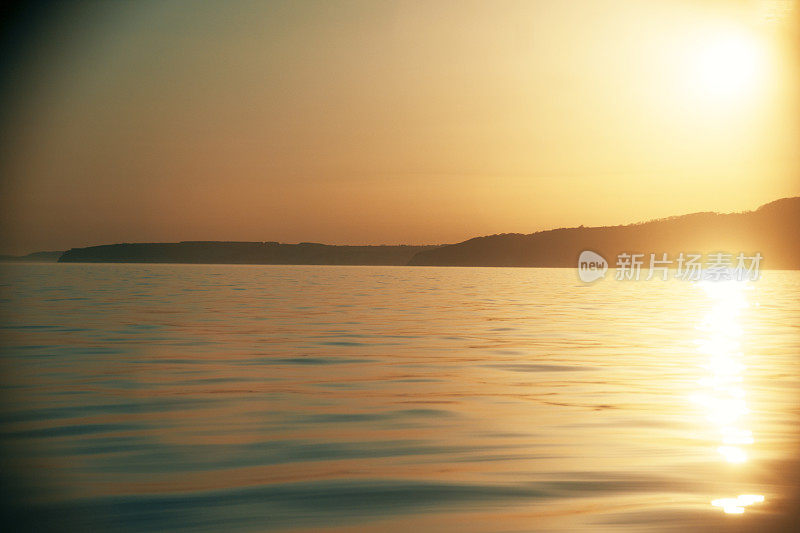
x=392, y=122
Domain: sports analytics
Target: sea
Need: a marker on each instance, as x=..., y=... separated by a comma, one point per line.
x=143, y=397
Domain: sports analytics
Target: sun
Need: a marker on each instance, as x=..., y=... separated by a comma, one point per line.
x=728, y=65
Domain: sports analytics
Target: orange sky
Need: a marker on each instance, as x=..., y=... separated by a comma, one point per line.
x=392, y=122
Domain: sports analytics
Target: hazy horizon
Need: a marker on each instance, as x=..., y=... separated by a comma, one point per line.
x=394, y=243
x=361, y=123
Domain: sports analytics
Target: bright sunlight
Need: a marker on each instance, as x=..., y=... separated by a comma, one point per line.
x=729, y=65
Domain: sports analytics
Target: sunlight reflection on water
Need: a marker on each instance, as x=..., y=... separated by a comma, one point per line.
x=724, y=396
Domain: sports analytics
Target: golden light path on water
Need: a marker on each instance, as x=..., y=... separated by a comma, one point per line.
x=723, y=394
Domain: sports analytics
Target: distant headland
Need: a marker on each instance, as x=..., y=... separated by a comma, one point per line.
x=35, y=257
x=252, y=253
x=773, y=230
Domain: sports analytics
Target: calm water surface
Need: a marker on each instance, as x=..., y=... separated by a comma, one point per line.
x=169, y=397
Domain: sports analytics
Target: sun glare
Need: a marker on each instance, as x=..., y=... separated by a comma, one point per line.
x=729, y=65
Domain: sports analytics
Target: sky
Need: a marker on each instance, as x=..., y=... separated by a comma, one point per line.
x=367, y=122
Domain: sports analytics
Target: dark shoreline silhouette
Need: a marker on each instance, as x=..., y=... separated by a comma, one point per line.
x=773, y=230
x=253, y=253
x=37, y=257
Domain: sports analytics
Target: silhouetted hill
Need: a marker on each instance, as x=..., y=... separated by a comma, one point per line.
x=42, y=257
x=220, y=252
x=773, y=230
